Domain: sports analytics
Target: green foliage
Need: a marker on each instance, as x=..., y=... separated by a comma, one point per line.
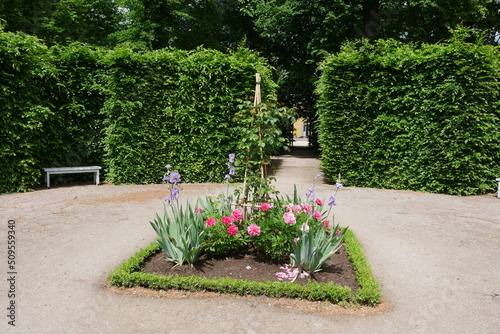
x=86, y=21
x=412, y=117
x=175, y=106
x=180, y=234
x=276, y=236
x=25, y=79
x=296, y=34
x=369, y=290
x=75, y=105
x=261, y=136
x=314, y=247
x=129, y=274
x=276, y=233
x=51, y=106
x=218, y=242
x=77, y=98
x=215, y=24
x=429, y=21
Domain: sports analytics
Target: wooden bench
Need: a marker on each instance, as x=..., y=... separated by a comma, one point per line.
x=66, y=170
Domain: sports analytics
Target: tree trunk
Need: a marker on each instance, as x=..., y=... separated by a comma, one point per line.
x=371, y=18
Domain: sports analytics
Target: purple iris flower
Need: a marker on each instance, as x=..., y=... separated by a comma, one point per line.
x=310, y=194
x=175, y=193
x=174, y=178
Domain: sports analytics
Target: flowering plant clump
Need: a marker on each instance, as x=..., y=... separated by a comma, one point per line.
x=181, y=233
x=173, y=179
x=281, y=228
x=285, y=229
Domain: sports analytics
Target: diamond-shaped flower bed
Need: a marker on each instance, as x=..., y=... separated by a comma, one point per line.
x=144, y=269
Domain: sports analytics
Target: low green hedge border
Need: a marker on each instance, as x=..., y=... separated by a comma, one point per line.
x=129, y=274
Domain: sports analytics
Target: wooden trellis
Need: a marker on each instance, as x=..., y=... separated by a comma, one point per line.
x=263, y=168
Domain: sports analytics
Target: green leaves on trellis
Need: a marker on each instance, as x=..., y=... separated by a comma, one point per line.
x=260, y=129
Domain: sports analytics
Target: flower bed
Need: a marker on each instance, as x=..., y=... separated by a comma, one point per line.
x=130, y=274
x=281, y=228
x=298, y=234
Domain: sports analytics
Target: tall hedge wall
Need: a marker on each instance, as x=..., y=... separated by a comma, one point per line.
x=130, y=112
x=78, y=100
x=50, y=109
x=25, y=73
x=175, y=107
x=416, y=117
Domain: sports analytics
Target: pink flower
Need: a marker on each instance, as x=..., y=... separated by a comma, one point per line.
x=227, y=220
x=304, y=274
x=319, y=202
x=296, y=240
x=288, y=273
x=326, y=224
x=296, y=208
x=306, y=207
x=232, y=230
x=237, y=215
x=253, y=230
x=317, y=215
x=305, y=228
x=265, y=206
x=198, y=211
x=210, y=222
x=338, y=232
x=289, y=218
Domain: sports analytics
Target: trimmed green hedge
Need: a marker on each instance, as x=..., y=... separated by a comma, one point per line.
x=25, y=73
x=129, y=274
x=369, y=290
x=78, y=100
x=129, y=112
x=415, y=117
x=50, y=109
x=175, y=107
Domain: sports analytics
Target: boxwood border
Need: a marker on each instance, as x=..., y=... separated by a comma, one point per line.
x=129, y=275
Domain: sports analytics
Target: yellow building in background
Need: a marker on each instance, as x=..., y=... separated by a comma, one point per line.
x=301, y=128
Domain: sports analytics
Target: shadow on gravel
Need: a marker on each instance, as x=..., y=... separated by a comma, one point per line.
x=302, y=152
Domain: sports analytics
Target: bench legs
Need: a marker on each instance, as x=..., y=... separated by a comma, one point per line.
x=498, y=192
x=96, y=177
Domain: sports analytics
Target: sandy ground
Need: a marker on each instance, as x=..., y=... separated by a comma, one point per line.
x=437, y=258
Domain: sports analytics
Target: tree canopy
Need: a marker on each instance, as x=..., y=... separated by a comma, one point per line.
x=293, y=34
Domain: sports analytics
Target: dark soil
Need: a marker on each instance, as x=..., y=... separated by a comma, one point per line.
x=251, y=267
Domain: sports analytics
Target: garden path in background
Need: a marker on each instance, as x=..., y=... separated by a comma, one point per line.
x=437, y=258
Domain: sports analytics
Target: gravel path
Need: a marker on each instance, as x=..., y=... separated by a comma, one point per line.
x=436, y=256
